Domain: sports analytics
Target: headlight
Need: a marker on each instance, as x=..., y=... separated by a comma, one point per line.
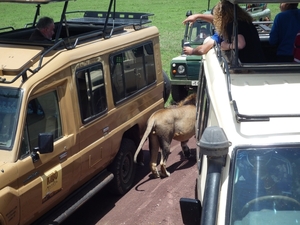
x=181, y=69
x=178, y=69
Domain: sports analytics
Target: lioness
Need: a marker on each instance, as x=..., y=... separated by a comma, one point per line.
x=175, y=122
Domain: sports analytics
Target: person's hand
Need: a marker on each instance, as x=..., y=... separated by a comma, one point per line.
x=191, y=19
x=188, y=50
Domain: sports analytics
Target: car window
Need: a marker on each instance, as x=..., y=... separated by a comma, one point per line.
x=131, y=71
x=265, y=180
x=10, y=100
x=43, y=116
x=91, y=91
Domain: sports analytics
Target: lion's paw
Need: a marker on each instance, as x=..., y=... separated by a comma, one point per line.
x=164, y=174
x=154, y=176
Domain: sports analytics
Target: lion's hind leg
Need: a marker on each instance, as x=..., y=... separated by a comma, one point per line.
x=154, y=149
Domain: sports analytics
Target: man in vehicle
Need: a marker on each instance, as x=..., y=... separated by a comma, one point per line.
x=284, y=30
x=44, y=30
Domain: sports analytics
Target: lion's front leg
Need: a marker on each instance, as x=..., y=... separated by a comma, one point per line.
x=185, y=149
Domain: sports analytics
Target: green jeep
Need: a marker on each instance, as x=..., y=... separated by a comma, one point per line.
x=185, y=68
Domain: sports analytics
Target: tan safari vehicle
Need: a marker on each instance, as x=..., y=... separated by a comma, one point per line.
x=248, y=139
x=72, y=111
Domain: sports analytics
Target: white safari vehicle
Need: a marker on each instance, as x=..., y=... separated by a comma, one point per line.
x=72, y=110
x=248, y=140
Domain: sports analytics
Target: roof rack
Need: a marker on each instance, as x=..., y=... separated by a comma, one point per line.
x=91, y=25
x=33, y=1
x=118, y=18
x=111, y=21
x=69, y=33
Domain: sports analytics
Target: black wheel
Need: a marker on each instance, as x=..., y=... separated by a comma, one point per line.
x=123, y=168
x=179, y=93
x=167, y=86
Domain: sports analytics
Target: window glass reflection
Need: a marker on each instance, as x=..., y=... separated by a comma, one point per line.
x=266, y=181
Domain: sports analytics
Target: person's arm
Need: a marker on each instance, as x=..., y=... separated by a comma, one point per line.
x=192, y=18
x=201, y=49
x=229, y=46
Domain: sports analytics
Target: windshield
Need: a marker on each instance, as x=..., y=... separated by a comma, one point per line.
x=9, y=107
x=199, y=31
x=266, y=186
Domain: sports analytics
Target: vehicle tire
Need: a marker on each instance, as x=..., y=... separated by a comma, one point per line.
x=123, y=168
x=179, y=93
x=167, y=86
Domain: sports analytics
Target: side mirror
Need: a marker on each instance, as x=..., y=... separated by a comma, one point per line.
x=188, y=13
x=190, y=211
x=45, y=141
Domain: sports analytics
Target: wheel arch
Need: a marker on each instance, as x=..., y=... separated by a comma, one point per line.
x=134, y=134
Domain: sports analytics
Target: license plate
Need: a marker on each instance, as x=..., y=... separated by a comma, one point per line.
x=194, y=83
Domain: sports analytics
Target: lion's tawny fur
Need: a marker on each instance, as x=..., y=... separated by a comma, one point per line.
x=166, y=124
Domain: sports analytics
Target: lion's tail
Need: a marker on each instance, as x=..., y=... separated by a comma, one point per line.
x=150, y=125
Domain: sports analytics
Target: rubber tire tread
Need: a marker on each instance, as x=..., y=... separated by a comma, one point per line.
x=117, y=185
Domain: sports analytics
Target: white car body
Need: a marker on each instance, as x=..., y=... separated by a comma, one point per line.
x=248, y=141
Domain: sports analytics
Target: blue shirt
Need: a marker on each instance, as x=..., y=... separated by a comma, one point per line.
x=283, y=32
x=217, y=38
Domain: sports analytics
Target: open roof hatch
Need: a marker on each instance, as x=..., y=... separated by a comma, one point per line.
x=271, y=69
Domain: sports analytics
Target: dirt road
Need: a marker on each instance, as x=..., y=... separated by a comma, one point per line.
x=150, y=201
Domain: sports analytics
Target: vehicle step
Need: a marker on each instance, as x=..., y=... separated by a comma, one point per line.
x=62, y=211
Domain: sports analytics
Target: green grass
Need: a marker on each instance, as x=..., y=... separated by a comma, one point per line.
x=168, y=17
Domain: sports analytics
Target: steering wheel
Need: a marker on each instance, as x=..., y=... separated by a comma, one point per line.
x=282, y=202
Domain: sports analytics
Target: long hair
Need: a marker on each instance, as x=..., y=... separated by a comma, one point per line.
x=224, y=14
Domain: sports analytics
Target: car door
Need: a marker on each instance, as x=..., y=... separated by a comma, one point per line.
x=44, y=182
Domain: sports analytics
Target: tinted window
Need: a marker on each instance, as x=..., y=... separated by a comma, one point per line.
x=132, y=70
x=91, y=91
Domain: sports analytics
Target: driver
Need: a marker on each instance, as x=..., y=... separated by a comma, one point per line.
x=260, y=174
x=204, y=33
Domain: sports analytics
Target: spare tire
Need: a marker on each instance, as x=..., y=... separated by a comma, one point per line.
x=167, y=86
